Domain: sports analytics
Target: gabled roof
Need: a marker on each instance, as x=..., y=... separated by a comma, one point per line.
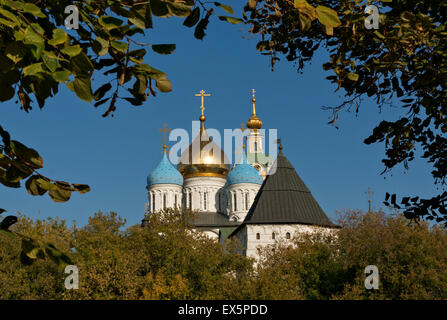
x=284, y=199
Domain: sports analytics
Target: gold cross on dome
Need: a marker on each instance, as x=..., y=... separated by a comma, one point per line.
x=202, y=94
x=165, y=130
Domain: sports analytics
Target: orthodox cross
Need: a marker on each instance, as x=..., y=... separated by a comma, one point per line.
x=202, y=94
x=278, y=141
x=165, y=130
x=369, y=193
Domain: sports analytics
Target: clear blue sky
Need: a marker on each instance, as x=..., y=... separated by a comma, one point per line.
x=114, y=155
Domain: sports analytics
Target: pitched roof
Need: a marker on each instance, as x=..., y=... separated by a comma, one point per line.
x=212, y=219
x=284, y=199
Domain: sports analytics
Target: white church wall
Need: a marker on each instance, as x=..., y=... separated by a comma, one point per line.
x=157, y=192
x=285, y=233
x=237, y=211
x=197, y=187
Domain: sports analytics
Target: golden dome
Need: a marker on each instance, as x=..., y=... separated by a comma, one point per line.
x=203, y=158
x=254, y=122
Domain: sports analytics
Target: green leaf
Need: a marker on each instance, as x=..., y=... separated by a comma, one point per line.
x=101, y=91
x=150, y=71
x=61, y=75
x=199, y=31
x=119, y=45
x=232, y=20
x=33, y=69
x=100, y=46
x=8, y=14
x=60, y=194
x=164, y=48
x=59, y=37
x=57, y=256
x=44, y=184
x=179, y=9
x=81, y=188
x=50, y=63
x=160, y=9
x=33, y=187
x=163, y=84
x=353, y=76
x=33, y=9
x=72, y=50
x=32, y=249
x=83, y=88
x=110, y=23
x=328, y=16
x=227, y=8
x=193, y=18
x=141, y=16
x=81, y=65
x=30, y=156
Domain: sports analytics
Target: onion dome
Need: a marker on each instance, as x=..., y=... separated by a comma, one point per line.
x=165, y=173
x=254, y=122
x=203, y=157
x=243, y=172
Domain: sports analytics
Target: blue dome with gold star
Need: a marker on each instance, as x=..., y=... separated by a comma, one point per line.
x=244, y=172
x=165, y=173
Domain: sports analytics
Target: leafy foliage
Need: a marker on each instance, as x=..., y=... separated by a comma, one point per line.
x=38, y=54
x=406, y=58
x=31, y=249
x=18, y=162
x=168, y=260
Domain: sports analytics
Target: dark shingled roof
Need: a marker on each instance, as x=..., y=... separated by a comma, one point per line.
x=284, y=199
x=212, y=219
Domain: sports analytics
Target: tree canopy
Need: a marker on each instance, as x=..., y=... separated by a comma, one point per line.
x=168, y=260
x=403, y=64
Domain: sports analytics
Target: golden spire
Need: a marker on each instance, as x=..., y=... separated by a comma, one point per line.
x=254, y=102
x=254, y=122
x=202, y=117
x=165, y=130
x=243, y=140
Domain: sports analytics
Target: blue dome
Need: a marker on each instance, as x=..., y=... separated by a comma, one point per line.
x=244, y=172
x=165, y=173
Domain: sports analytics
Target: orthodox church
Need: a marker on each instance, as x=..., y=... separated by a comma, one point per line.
x=243, y=201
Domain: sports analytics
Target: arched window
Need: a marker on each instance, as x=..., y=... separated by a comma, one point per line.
x=258, y=236
x=273, y=235
x=204, y=200
x=235, y=202
x=288, y=235
x=189, y=201
x=219, y=205
x=164, y=202
x=153, y=202
x=246, y=201
x=175, y=200
x=256, y=146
